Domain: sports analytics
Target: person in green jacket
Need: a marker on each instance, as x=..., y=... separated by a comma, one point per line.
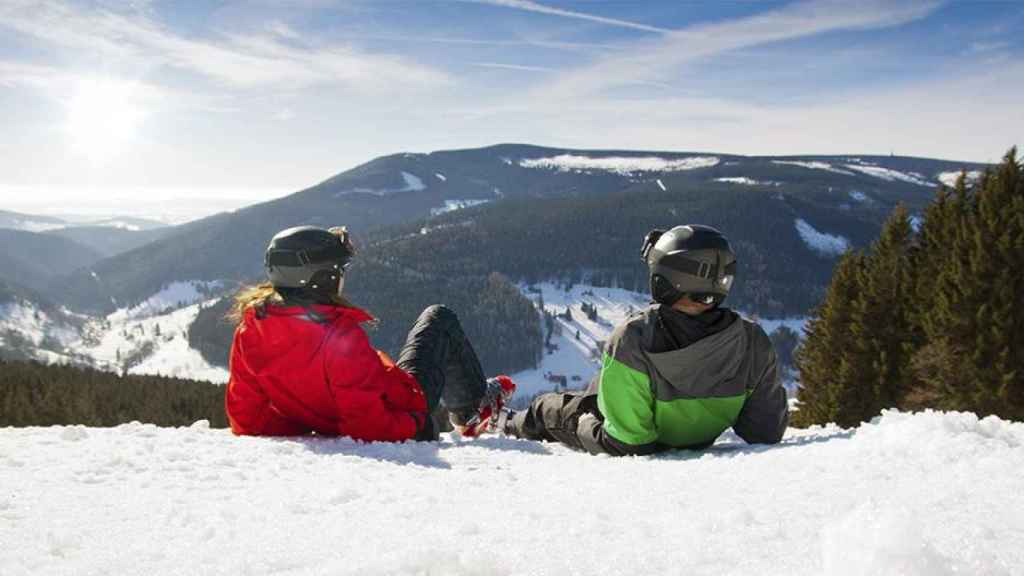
x=677, y=374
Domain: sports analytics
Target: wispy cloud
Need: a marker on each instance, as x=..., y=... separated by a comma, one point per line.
x=237, y=61
x=531, y=6
x=518, y=67
x=657, y=59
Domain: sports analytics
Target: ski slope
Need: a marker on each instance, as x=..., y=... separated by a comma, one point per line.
x=922, y=494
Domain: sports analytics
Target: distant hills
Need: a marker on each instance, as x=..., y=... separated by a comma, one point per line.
x=436, y=226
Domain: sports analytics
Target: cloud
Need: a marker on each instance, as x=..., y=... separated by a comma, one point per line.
x=655, y=60
x=273, y=60
x=519, y=67
x=531, y=6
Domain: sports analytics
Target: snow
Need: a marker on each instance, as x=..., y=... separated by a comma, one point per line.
x=912, y=494
x=890, y=175
x=660, y=185
x=158, y=343
x=453, y=205
x=440, y=177
x=173, y=295
x=813, y=166
x=33, y=324
x=820, y=242
x=619, y=165
x=576, y=357
x=412, y=183
x=746, y=181
x=949, y=178
x=859, y=196
x=916, y=222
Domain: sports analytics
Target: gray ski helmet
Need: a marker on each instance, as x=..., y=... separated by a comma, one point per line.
x=308, y=257
x=692, y=260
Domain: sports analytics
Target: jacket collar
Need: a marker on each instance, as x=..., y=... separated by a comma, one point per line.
x=328, y=312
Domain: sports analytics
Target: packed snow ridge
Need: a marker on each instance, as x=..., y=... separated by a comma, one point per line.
x=911, y=494
x=619, y=164
x=890, y=175
x=820, y=242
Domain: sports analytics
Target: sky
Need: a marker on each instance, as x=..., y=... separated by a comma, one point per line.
x=158, y=103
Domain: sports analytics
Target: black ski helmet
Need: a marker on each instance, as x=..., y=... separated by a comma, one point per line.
x=691, y=260
x=308, y=258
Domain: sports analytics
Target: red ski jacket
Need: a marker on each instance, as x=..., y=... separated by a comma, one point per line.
x=292, y=374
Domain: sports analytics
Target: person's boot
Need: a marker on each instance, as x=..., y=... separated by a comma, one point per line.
x=499, y=391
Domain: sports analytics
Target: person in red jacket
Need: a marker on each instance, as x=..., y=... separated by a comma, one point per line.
x=301, y=363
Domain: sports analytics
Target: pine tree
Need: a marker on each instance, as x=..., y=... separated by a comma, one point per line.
x=975, y=320
x=826, y=378
x=881, y=318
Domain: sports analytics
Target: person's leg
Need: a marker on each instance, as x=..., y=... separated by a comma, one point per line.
x=553, y=417
x=440, y=357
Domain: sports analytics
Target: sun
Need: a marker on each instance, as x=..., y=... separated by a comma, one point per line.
x=103, y=116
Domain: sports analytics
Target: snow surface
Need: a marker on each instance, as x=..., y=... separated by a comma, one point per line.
x=910, y=494
x=33, y=324
x=950, y=178
x=453, y=205
x=618, y=164
x=36, y=226
x=662, y=186
x=813, y=166
x=890, y=175
x=440, y=177
x=820, y=242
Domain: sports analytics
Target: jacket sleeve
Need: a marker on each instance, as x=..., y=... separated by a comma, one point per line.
x=765, y=414
x=624, y=399
x=361, y=383
x=249, y=410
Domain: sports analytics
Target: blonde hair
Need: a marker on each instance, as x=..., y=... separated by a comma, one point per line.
x=260, y=295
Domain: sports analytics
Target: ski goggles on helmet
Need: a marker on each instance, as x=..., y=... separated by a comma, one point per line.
x=707, y=298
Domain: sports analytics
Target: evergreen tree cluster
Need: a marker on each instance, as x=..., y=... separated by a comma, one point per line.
x=34, y=394
x=926, y=319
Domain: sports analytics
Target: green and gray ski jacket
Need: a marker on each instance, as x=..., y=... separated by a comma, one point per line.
x=688, y=397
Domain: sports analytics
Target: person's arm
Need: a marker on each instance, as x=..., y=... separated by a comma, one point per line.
x=626, y=401
x=250, y=412
x=360, y=382
x=765, y=414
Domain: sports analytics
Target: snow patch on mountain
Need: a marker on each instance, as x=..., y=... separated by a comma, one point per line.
x=453, y=205
x=412, y=182
x=661, y=185
x=890, y=175
x=813, y=165
x=911, y=494
x=859, y=196
x=440, y=177
x=174, y=295
x=745, y=181
x=949, y=178
x=820, y=242
x=619, y=164
x=147, y=342
x=26, y=321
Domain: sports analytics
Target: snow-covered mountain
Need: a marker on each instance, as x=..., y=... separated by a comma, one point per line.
x=927, y=494
x=148, y=338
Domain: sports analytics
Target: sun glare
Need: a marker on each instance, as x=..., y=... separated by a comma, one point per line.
x=102, y=117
